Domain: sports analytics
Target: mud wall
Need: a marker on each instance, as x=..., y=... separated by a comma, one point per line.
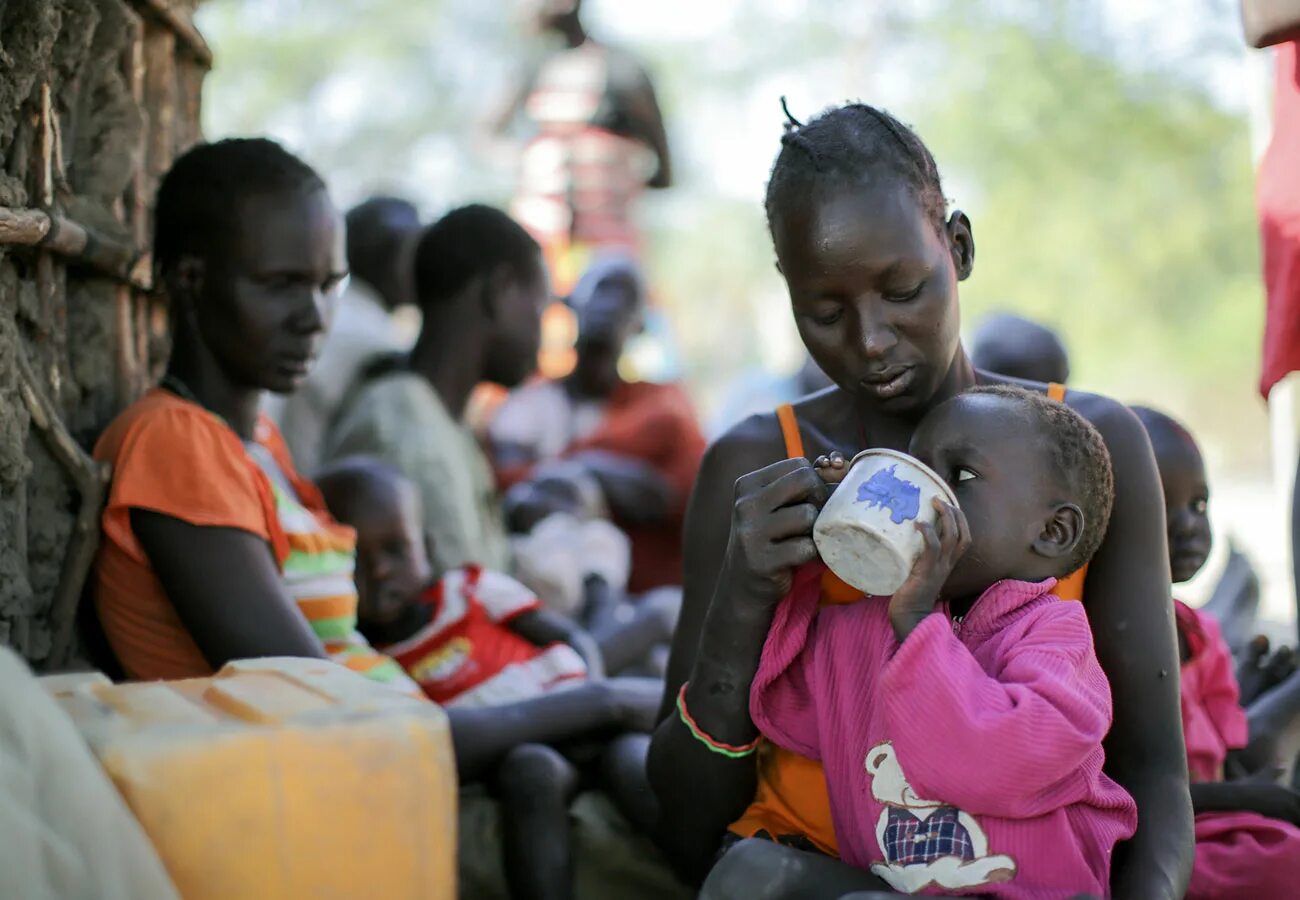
x=96, y=98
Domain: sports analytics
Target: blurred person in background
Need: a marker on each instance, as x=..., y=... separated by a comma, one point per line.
x=1247, y=839
x=597, y=139
x=759, y=391
x=638, y=443
x=1014, y=346
x=380, y=236
x=481, y=286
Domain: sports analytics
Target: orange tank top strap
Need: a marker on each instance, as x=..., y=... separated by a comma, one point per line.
x=1071, y=586
x=790, y=431
x=834, y=591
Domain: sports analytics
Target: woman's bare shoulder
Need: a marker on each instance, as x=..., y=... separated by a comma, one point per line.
x=1116, y=422
x=747, y=446
x=1118, y=425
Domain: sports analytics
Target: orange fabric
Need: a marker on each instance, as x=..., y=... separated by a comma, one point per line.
x=790, y=431
x=1071, y=586
x=334, y=607
x=654, y=423
x=174, y=457
x=791, y=800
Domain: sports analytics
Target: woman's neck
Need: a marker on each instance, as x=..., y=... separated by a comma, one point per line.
x=193, y=374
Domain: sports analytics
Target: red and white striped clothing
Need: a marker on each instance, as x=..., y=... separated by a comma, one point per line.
x=467, y=655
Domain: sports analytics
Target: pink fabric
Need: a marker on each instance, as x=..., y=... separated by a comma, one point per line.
x=1238, y=854
x=1213, y=720
x=996, y=722
x=1244, y=855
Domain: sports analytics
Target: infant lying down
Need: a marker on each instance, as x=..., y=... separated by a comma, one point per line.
x=960, y=721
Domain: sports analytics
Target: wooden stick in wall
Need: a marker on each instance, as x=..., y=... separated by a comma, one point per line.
x=90, y=478
x=162, y=12
x=80, y=243
x=46, y=173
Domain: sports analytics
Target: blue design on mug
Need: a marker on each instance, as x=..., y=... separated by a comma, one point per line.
x=887, y=491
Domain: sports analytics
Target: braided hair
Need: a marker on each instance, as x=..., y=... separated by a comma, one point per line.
x=852, y=142
x=199, y=197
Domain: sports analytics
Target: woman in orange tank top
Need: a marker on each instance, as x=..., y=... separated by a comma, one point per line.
x=872, y=260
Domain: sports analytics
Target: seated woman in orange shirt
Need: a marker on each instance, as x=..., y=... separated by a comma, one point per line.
x=214, y=548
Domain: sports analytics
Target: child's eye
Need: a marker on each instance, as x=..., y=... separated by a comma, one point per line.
x=965, y=474
x=829, y=318
x=1200, y=505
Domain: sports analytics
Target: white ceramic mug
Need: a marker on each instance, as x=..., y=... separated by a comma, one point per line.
x=866, y=533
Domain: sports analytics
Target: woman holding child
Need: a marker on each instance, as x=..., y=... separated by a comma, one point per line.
x=872, y=261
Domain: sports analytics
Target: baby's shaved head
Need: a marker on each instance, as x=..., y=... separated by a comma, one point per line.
x=358, y=486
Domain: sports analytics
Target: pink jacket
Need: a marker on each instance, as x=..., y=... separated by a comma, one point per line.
x=965, y=760
x=1213, y=720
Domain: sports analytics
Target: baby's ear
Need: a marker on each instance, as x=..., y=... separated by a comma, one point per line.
x=1061, y=532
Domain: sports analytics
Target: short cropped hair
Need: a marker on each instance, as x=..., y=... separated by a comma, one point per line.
x=1081, y=460
x=199, y=197
x=354, y=484
x=469, y=242
x=376, y=230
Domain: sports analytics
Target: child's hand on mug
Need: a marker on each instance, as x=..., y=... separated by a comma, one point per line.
x=832, y=468
x=945, y=542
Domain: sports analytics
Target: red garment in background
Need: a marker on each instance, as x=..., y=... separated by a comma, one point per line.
x=1278, y=197
x=656, y=424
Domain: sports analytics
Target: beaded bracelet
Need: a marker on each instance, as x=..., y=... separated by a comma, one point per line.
x=731, y=750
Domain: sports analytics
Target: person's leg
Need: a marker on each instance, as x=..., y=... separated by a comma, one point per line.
x=623, y=777
x=627, y=640
x=758, y=869
x=535, y=784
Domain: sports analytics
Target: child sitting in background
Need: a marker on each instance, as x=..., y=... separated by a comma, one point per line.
x=1247, y=842
x=975, y=759
x=577, y=563
x=469, y=638
x=478, y=638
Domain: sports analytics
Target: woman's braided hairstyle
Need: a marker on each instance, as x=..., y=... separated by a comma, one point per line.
x=850, y=142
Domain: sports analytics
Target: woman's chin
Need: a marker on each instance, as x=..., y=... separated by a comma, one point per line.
x=284, y=382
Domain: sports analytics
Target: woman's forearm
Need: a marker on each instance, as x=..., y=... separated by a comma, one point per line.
x=1156, y=863
x=700, y=791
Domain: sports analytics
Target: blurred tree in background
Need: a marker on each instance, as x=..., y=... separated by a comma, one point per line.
x=1102, y=150
x=1112, y=201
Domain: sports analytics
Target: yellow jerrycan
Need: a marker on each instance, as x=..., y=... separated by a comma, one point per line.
x=279, y=778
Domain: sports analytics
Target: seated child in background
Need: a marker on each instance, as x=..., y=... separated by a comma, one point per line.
x=470, y=637
x=960, y=721
x=478, y=638
x=560, y=542
x=1247, y=842
x=577, y=561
